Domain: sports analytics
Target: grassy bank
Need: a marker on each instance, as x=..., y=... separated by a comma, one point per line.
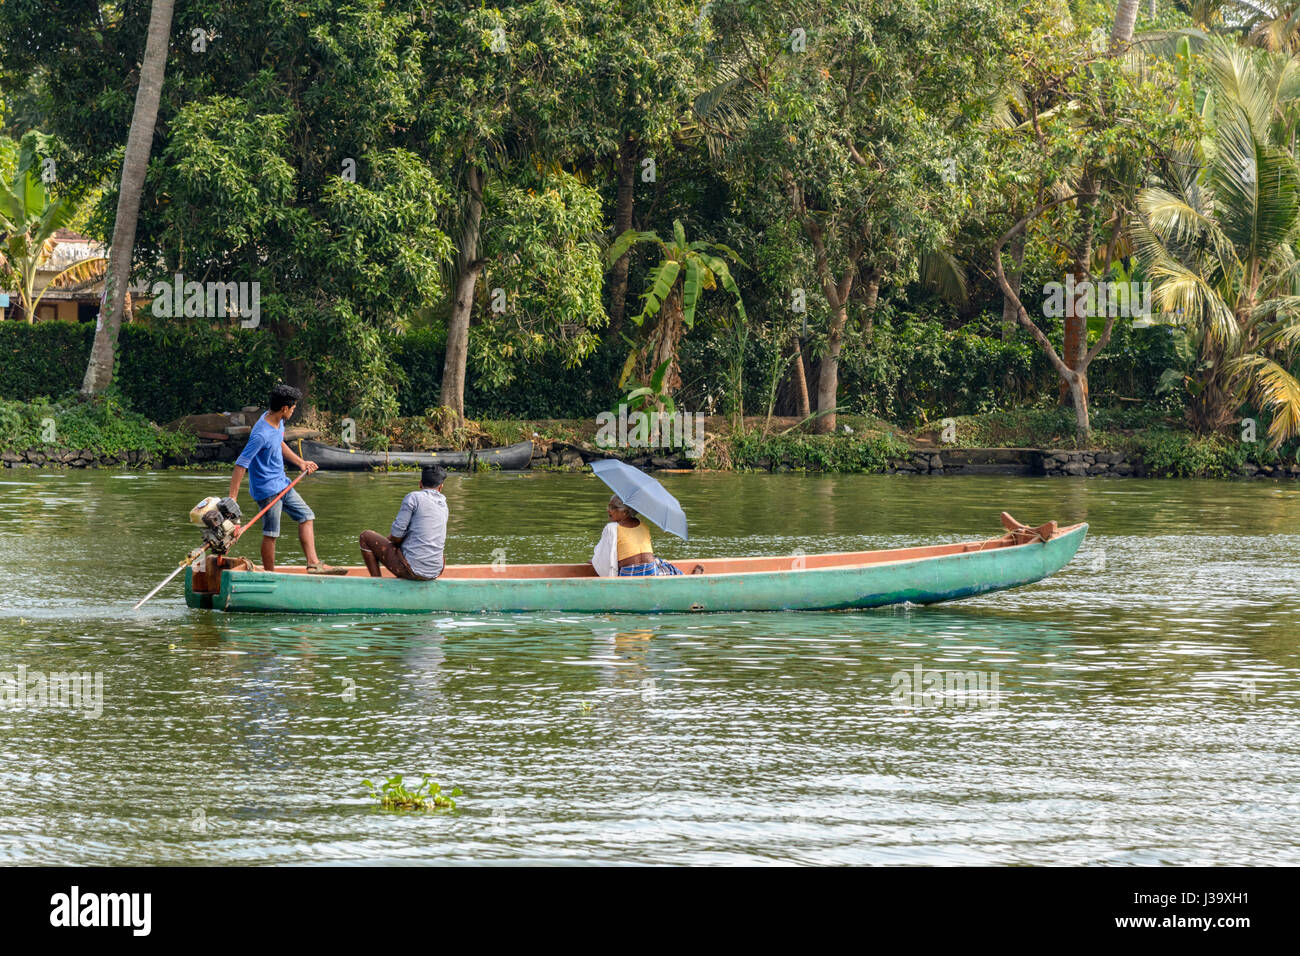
x=105, y=431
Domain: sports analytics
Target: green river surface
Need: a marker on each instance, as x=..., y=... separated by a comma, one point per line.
x=1147, y=710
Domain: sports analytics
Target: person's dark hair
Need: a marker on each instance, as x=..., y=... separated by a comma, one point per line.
x=432, y=476
x=282, y=396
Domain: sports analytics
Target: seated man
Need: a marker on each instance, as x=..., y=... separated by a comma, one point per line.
x=413, y=549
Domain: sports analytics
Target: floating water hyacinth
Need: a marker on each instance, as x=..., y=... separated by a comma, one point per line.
x=427, y=796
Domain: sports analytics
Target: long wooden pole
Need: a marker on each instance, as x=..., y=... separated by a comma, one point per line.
x=244, y=527
x=198, y=551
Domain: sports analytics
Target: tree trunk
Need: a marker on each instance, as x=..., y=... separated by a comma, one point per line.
x=627, y=166
x=1151, y=9
x=870, y=296
x=295, y=370
x=297, y=373
x=800, y=378
x=452, y=393
x=1079, y=399
x=135, y=163
x=837, y=297
x=1009, y=318
x=1076, y=315
x=1121, y=35
x=1076, y=381
x=1214, y=406
x=668, y=332
x=828, y=380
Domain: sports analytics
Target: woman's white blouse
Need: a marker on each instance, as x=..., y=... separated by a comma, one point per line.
x=605, y=558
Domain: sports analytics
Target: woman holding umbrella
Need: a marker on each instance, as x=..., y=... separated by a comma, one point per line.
x=624, y=549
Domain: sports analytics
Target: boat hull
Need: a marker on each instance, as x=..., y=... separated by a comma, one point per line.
x=329, y=458
x=925, y=580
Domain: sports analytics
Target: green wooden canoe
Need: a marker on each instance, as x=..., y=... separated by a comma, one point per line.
x=821, y=582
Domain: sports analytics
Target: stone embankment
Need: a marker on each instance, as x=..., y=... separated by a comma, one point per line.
x=73, y=458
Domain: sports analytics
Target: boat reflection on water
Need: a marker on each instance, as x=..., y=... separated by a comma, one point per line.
x=615, y=666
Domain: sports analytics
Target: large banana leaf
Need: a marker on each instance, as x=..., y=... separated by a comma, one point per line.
x=691, y=290
x=720, y=270
x=664, y=276
x=625, y=242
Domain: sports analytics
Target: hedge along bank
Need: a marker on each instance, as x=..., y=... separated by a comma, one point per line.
x=238, y=367
x=906, y=374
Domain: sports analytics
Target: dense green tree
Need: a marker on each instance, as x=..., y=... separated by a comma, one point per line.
x=280, y=160
x=1088, y=129
x=374, y=164
x=542, y=274
x=497, y=109
x=847, y=116
x=631, y=96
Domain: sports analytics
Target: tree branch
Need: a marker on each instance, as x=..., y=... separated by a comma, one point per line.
x=1062, y=369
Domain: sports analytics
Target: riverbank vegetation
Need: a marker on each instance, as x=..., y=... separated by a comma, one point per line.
x=101, y=425
x=936, y=222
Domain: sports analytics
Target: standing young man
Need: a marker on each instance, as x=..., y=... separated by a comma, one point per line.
x=414, y=547
x=263, y=459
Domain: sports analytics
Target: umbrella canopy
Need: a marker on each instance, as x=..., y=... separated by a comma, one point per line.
x=643, y=494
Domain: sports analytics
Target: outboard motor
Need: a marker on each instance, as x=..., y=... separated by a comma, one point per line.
x=218, y=517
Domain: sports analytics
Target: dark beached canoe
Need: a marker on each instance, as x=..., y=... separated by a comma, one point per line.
x=330, y=458
x=815, y=582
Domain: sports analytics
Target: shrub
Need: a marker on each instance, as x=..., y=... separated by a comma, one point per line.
x=830, y=453
x=543, y=389
x=102, y=424
x=167, y=371
x=1171, y=454
x=914, y=370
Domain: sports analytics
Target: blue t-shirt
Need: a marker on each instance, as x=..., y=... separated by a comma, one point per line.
x=263, y=456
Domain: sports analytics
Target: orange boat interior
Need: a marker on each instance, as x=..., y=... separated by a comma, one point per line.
x=1016, y=536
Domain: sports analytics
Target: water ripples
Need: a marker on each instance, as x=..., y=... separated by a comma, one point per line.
x=1145, y=708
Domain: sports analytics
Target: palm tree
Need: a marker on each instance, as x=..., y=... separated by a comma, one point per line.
x=1219, y=240
x=1263, y=23
x=684, y=272
x=1121, y=34
x=28, y=221
x=135, y=162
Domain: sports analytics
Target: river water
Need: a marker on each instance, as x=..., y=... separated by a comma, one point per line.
x=1140, y=707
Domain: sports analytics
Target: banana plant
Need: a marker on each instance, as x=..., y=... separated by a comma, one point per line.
x=29, y=218
x=685, y=271
x=648, y=397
